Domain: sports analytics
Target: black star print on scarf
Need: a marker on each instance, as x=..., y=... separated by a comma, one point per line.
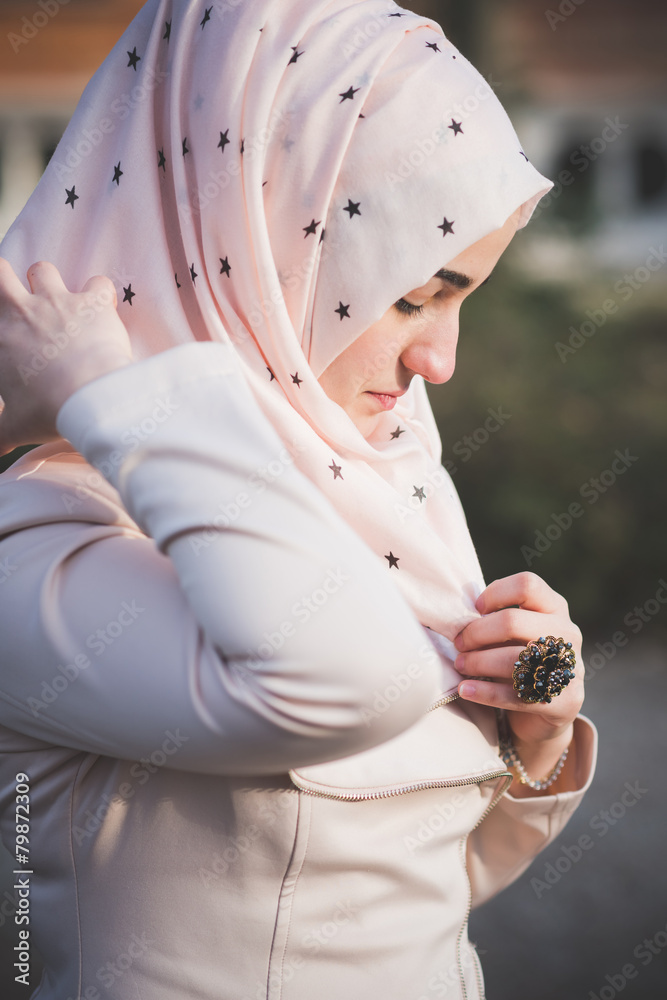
x=296, y=54
x=447, y=227
x=129, y=294
x=397, y=433
x=349, y=94
x=343, y=311
x=167, y=31
x=117, y=174
x=193, y=275
x=393, y=560
x=134, y=59
x=432, y=45
x=176, y=280
x=456, y=127
x=185, y=146
x=419, y=493
x=297, y=381
x=271, y=375
x=162, y=162
x=311, y=230
x=206, y=18
x=225, y=267
x=224, y=140
x=336, y=469
x=72, y=196
x=352, y=207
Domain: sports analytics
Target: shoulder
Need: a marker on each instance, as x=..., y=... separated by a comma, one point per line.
x=53, y=483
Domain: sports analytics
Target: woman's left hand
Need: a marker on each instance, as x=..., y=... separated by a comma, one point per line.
x=515, y=610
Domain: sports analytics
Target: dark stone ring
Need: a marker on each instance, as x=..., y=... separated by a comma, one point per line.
x=543, y=669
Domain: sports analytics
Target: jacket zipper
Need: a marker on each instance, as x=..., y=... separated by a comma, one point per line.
x=418, y=786
x=446, y=699
x=509, y=777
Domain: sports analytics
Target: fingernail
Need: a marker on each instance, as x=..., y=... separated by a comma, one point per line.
x=459, y=663
x=467, y=689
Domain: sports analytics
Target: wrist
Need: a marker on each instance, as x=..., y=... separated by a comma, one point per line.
x=540, y=766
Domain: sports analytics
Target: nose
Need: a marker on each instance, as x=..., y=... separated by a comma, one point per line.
x=431, y=352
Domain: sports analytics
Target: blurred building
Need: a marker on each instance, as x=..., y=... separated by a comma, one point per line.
x=50, y=49
x=588, y=82
x=586, y=79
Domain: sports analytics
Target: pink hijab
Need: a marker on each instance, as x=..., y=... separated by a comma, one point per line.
x=275, y=174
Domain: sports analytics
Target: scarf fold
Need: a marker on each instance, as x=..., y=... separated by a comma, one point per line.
x=275, y=174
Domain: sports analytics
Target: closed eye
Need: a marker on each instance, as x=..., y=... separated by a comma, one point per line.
x=408, y=308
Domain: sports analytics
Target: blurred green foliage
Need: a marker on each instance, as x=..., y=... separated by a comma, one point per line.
x=568, y=419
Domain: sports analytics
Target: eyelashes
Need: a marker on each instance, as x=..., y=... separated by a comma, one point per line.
x=407, y=307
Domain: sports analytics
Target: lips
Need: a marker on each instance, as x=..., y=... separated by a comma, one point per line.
x=387, y=400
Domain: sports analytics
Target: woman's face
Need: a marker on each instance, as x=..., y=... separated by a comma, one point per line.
x=417, y=336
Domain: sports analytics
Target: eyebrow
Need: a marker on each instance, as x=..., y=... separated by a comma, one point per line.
x=456, y=278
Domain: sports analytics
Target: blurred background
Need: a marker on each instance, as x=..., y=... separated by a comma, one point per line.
x=553, y=427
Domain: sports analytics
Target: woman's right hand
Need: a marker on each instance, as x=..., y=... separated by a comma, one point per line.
x=52, y=342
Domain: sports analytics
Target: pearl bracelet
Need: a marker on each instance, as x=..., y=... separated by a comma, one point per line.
x=511, y=759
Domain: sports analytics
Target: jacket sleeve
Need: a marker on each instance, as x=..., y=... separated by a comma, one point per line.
x=516, y=830
x=256, y=623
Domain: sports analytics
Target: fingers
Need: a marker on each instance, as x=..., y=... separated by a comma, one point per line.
x=44, y=278
x=563, y=708
x=493, y=663
x=525, y=590
x=515, y=626
x=102, y=289
x=493, y=694
x=10, y=286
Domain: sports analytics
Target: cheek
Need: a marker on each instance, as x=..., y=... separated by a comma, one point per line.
x=373, y=353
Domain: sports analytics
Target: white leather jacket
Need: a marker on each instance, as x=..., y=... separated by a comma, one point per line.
x=233, y=797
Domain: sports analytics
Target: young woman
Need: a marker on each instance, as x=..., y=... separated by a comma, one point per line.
x=251, y=674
